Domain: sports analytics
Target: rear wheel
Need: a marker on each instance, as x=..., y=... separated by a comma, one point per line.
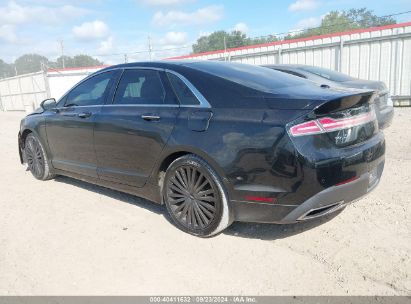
x=36, y=158
x=195, y=197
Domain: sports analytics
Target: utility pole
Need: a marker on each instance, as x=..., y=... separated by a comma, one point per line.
x=62, y=52
x=125, y=58
x=150, y=49
x=225, y=50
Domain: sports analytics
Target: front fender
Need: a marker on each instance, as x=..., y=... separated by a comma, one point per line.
x=35, y=124
x=20, y=147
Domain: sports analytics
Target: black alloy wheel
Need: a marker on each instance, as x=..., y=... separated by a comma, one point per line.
x=193, y=197
x=36, y=158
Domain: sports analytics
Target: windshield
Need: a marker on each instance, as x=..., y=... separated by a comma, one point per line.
x=326, y=73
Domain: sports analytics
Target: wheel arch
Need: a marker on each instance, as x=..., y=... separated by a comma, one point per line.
x=26, y=132
x=172, y=154
x=22, y=140
x=36, y=132
x=24, y=135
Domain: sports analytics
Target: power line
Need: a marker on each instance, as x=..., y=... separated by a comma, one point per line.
x=152, y=50
x=277, y=35
x=62, y=52
x=326, y=27
x=141, y=51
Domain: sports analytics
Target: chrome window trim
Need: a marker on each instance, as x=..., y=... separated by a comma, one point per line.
x=123, y=105
x=76, y=107
x=203, y=101
x=143, y=105
x=82, y=81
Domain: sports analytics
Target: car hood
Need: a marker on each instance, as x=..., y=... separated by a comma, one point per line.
x=37, y=111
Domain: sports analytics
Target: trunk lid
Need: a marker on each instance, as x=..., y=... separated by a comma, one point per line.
x=342, y=121
x=307, y=96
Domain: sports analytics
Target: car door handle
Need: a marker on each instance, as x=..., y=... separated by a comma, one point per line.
x=150, y=117
x=84, y=115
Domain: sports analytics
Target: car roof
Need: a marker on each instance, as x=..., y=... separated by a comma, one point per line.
x=251, y=76
x=157, y=64
x=285, y=66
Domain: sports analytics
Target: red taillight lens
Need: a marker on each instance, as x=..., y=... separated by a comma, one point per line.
x=310, y=127
x=328, y=124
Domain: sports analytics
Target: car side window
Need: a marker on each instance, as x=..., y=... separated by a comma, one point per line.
x=184, y=94
x=140, y=86
x=90, y=92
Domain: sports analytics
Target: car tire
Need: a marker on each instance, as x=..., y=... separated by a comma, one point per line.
x=36, y=158
x=195, y=197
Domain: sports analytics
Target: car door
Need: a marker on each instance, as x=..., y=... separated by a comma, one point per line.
x=70, y=126
x=131, y=133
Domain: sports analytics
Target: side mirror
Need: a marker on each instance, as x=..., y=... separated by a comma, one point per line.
x=48, y=104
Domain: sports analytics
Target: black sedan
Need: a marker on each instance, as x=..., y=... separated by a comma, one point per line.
x=213, y=142
x=326, y=77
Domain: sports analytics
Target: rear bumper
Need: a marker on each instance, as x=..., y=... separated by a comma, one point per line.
x=325, y=202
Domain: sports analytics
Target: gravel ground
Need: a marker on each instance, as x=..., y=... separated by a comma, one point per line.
x=69, y=237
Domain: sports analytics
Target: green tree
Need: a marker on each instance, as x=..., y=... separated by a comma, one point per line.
x=75, y=62
x=30, y=63
x=68, y=62
x=84, y=61
x=215, y=41
x=6, y=70
x=339, y=21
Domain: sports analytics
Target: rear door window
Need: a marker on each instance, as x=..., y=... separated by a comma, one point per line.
x=140, y=87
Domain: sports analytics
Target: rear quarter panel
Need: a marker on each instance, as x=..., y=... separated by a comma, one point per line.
x=244, y=146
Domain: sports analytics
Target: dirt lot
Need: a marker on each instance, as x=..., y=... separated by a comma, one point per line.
x=69, y=237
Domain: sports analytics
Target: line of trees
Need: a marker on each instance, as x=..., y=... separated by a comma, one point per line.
x=334, y=21
x=30, y=63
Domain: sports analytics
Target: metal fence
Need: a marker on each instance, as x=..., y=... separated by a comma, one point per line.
x=380, y=53
x=26, y=92
x=23, y=92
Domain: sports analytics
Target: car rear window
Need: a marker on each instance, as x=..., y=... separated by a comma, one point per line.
x=255, y=77
x=327, y=74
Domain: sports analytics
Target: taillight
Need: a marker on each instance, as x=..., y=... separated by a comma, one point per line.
x=306, y=128
x=328, y=124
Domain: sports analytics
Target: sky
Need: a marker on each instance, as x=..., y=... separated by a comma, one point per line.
x=109, y=29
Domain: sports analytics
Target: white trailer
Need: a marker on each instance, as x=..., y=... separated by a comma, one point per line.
x=26, y=92
x=379, y=53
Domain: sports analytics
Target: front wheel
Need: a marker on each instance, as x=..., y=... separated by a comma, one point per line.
x=36, y=158
x=195, y=197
